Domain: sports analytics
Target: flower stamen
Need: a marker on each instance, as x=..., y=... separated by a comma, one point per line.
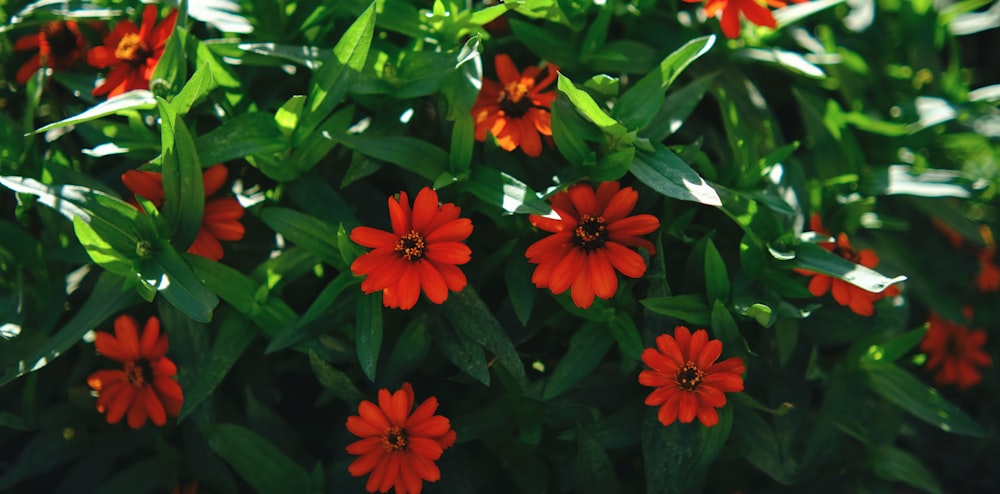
x=689, y=377
x=133, y=49
x=590, y=233
x=411, y=246
x=394, y=439
x=138, y=373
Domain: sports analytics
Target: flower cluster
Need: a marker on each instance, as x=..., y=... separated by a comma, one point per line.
x=954, y=352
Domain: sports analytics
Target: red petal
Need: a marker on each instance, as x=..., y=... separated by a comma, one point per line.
x=424, y=208
x=583, y=199
x=626, y=261
x=432, y=282
x=602, y=275
x=408, y=288
x=371, y=237
x=566, y=271
x=452, y=231
x=669, y=348
x=449, y=253
x=399, y=214
x=583, y=289
x=506, y=70
x=126, y=330
x=213, y=178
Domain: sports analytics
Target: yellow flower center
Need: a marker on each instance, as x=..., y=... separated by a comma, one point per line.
x=689, y=377
x=132, y=49
x=591, y=232
x=394, y=439
x=513, y=100
x=411, y=246
x=138, y=373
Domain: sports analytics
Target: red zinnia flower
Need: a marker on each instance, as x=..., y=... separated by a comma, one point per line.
x=955, y=352
x=590, y=240
x=515, y=110
x=397, y=447
x=732, y=9
x=220, y=220
x=859, y=300
x=145, y=387
x=421, y=252
x=132, y=52
x=59, y=45
x=688, y=381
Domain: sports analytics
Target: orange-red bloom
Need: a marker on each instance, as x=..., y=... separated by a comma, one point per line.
x=221, y=218
x=591, y=236
x=955, y=352
x=132, y=52
x=688, y=381
x=859, y=300
x=988, y=278
x=515, y=110
x=398, y=448
x=422, y=252
x=144, y=387
x=59, y=45
x=732, y=9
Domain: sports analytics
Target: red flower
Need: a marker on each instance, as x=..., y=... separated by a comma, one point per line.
x=421, y=252
x=515, y=110
x=688, y=381
x=221, y=218
x=59, y=45
x=955, y=352
x=590, y=240
x=859, y=300
x=732, y=9
x=398, y=448
x=132, y=52
x=988, y=278
x=144, y=387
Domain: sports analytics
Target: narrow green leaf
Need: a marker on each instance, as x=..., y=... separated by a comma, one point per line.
x=716, y=276
x=677, y=107
x=895, y=465
x=790, y=60
x=335, y=381
x=587, y=348
x=183, y=190
x=589, y=108
x=201, y=83
x=368, y=332
x=506, y=192
x=246, y=135
x=258, y=461
x=626, y=333
x=897, y=346
x=171, y=68
x=469, y=315
x=106, y=300
x=462, y=351
x=594, y=471
x=326, y=298
x=462, y=141
x=906, y=391
x=637, y=107
x=330, y=83
x=902, y=180
x=234, y=336
x=409, y=353
x=408, y=153
x=137, y=99
x=570, y=130
x=812, y=257
x=690, y=308
x=173, y=278
x=314, y=235
x=520, y=290
x=270, y=314
x=725, y=330
x=665, y=172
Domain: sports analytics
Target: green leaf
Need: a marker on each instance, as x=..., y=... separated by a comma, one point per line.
x=201, y=83
x=594, y=471
x=505, y=192
x=105, y=300
x=902, y=180
x=906, y=391
x=895, y=465
x=626, y=333
x=689, y=308
x=677, y=107
x=335, y=381
x=676, y=458
x=589, y=108
x=716, y=276
x=725, y=330
x=665, y=172
x=137, y=99
x=409, y=353
x=326, y=298
x=171, y=68
x=790, y=60
x=246, y=135
x=470, y=316
x=462, y=351
x=314, y=235
x=183, y=189
x=587, y=348
x=892, y=349
x=257, y=460
x=570, y=131
x=520, y=290
x=330, y=83
x=270, y=314
x=637, y=107
x=368, y=332
x=234, y=336
x=408, y=153
x=463, y=139
x=813, y=257
x=172, y=277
